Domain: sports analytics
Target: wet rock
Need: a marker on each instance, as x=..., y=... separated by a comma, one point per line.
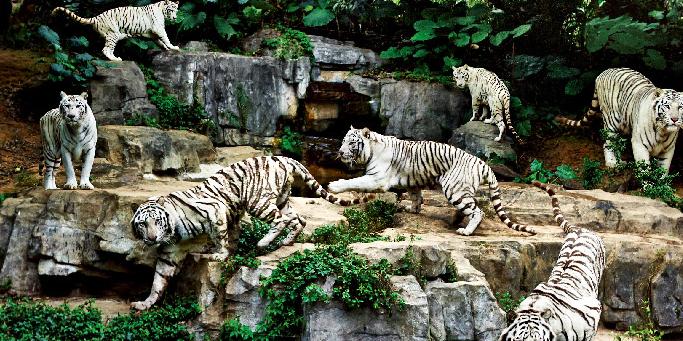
x=118, y=92
x=476, y=138
x=421, y=111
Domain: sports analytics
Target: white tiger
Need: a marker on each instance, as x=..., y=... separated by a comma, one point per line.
x=69, y=133
x=489, y=94
x=259, y=186
x=631, y=105
x=393, y=163
x=125, y=22
x=566, y=307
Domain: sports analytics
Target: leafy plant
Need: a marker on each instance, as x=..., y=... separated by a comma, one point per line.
x=509, y=304
x=646, y=330
x=655, y=183
x=234, y=330
x=361, y=226
x=318, y=14
x=291, y=141
x=142, y=120
x=615, y=142
x=290, y=44
x=26, y=179
x=69, y=64
x=591, y=174
x=539, y=173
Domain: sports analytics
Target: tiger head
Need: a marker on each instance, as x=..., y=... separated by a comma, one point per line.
x=529, y=325
x=74, y=108
x=151, y=222
x=170, y=9
x=461, y=76
x=668, y=107
x=354, y=149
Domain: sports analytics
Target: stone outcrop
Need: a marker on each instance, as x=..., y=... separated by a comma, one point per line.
x=476, y=138
x=333, y=54
x=118, y=92
x=421, y=111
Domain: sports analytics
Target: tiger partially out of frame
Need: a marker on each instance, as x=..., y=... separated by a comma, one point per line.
x=566, y=307
x=490, y=95
x=259, y=186
x=631, y=105
x=125, y=22
x=413, y=165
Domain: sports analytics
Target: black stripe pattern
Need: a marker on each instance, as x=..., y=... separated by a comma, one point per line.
x=631, y=105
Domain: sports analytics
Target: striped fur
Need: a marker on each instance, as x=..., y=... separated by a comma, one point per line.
x=259, y=186
x=393, y=163
x=631, y=105
x=125, y=22
x=489, y=94
x=566, y=307
x=69, y=133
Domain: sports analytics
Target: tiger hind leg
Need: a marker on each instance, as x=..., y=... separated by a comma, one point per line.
x=50, y=171
x=501, y=128
x=464, y=201
x=111, y=39
x=166, y=267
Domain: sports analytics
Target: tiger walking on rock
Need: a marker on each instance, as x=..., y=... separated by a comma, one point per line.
x=566, y=307
x=259, y=186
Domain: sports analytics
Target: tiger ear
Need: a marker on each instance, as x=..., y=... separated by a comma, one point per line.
x=84, y=95
x=658, y=92
x=62, y=94
x=453, y=68
x=351, y=128
x=366, y=133
x=161, y=200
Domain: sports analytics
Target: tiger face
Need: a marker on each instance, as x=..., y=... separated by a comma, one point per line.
x=528, y=326
x=170, y=10
x=73, y=108
x=151, y=223
x=461, y=76
x=669, y=109
x=352, y=149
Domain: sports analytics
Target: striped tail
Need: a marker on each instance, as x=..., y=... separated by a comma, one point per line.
x=559, y=217
x=72, y=15
x=313, y=184
x=508, y=121
x=498, y=206
x=592, y=112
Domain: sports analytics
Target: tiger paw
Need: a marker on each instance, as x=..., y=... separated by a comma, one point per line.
x=86, y=185
x=219, y=257
x=497, y=139
x=462, y=231
x=140, y=305
x=336, y=186
x=175, y=48
x=70, y=185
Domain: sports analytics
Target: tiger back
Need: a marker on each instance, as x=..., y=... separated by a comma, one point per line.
x=566, y=307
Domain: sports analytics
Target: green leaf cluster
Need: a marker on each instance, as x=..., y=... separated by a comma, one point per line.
x=291, y=142
x=591, y=173
x=509, y=303
x=656, y=183
x=290, y=44
x=72, y=64
x=362, y=226
x=541, y=174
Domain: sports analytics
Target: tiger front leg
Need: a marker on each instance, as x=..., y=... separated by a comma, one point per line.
x=610, y=157
x=69, y=170
x=86, y=167
x=279, y=223
x=475, y=109
x=501, y=127
x=49, y=177
x=165, y=269
x=165, y=42
x=365, y=183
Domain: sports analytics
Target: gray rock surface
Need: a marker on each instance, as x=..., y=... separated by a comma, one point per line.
x=333, y=54
x=118, y=92
x=421, y=111
x=476, y=138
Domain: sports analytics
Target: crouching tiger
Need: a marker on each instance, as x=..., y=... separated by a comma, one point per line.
x=393, y=163
x=258, y=186
x=566, y=307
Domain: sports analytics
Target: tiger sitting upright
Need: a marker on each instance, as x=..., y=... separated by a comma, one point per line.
x=489, y=94
x=68, y=133
x=393, y=163
x=631, y=104
x=566, y=307
x=125, y=22
x=259, y=186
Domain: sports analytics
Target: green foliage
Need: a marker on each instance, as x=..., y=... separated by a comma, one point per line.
x=142, y=120
x=3, y=196
x=26, y=179
x=25, y=319
x=291, y=141
x=646, y=330
x=655, y=183
x=234, y=330
x=615, y=142
x=290, y=44
x=318, y=15
x=541, y=174
x=362, y=225
x=509, y=304
x=591, y=174
x=71, y=63
x=157, y=323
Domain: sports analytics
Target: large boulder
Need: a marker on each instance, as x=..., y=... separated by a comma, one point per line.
x=421, y=111
x=333, y=54
x=250, y=94
x=476, y=138
x=119, y=91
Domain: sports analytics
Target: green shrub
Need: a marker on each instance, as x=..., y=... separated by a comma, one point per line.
x=291, y=141
x=509, y=304
x=291, y=44
x=142, y=120
x=541, y=174
x=591, y=174
x=655, y=183
x=362, y=226
x=25, y=319
x=233, y=330
x=615, y=142
x=646, y=330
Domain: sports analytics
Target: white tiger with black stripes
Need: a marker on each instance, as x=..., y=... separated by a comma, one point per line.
x=259, y=186
x=125, y=22
x=631, y=105
x=490, y=95
x=393, y=163
x=566, y=307
x=68, y=133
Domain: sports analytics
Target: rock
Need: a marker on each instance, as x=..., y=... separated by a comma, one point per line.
x=118, y=92
x=476, y=138
x=320, y=115
x=431, y=257
x=248, y=93
x=421, y=111
x=226, y=156
x=17, y=269
x=667, y=284
x=153, y=150
x=332, y=54
x=236, y=137
x=328, y=321
x=254, y=42
x=196, y=46
x=205, y=171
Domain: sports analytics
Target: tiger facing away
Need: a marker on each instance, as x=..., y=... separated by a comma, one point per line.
x=125, y=22
x=69, y=133
x=631, y=105
x=489, y=94
x=393, y=163
x=259, y=186
x=566, y=307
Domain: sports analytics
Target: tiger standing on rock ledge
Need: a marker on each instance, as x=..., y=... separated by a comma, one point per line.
x=259, y=186
x=393, y=163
